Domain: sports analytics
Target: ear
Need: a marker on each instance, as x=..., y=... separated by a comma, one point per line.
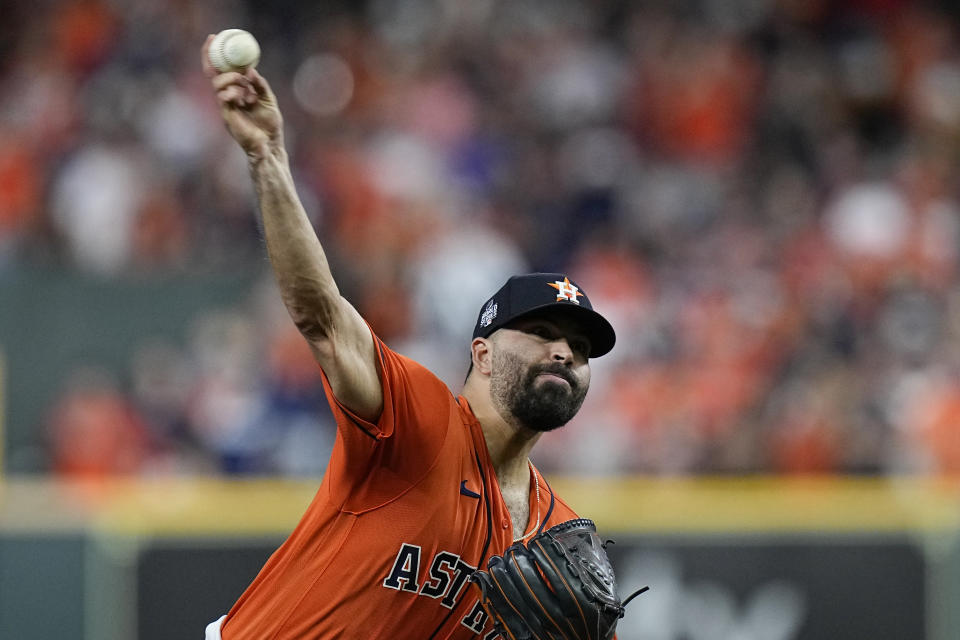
x=481, y=354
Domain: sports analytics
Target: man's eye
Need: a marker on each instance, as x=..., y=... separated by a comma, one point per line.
x=541, y=332
x=581, y=347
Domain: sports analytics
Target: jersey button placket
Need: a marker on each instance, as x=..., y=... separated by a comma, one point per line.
x=505, y=523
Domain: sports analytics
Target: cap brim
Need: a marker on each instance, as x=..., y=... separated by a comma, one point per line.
x=595, y=327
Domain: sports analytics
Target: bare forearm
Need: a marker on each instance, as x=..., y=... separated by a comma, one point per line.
x=339, y=338
x=299, y=263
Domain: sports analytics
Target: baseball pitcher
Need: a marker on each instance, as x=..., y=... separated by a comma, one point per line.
x=430, y=522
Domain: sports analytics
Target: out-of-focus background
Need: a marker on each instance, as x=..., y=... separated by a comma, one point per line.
x=762, y=196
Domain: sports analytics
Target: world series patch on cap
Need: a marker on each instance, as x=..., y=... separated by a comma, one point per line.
x=536, y=292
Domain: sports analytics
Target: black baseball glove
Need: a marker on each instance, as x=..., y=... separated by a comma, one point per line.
x=559, y=587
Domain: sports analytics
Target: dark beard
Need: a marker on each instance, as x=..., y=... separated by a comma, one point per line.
x=543, y=407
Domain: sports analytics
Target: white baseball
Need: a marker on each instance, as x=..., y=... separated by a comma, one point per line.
x=234, y=50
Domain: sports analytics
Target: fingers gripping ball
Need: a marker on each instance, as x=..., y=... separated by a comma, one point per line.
x=560, y=586
x=234, y=50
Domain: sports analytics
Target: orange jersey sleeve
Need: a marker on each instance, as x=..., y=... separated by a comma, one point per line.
x=372, y=463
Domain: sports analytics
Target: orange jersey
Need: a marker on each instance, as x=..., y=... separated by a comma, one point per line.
x=408, y=508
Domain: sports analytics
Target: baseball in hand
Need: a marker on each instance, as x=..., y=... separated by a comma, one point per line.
x=234, y=50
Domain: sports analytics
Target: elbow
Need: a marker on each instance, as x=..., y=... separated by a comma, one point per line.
x=316, y=317
x=311, y=329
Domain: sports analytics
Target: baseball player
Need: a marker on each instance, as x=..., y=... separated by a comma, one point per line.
x=423, y=487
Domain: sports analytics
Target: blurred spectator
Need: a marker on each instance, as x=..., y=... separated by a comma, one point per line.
x=95, y=203
x=95, y=431
x=762, y=196
x=20, y=194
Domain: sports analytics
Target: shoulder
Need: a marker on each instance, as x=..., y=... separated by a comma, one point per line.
x=411, y=377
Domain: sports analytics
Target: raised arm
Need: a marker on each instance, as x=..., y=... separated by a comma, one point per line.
x=338, y=336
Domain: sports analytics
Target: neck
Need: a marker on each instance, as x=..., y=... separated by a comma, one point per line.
x=508, y=443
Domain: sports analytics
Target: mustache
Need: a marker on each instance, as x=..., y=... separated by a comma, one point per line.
x=557, y=370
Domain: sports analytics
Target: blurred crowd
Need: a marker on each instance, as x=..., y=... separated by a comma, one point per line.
x=761, y=195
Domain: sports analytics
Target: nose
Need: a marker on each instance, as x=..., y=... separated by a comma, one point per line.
x=561, y=351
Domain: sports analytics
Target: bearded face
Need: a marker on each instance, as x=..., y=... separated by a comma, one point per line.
x=539, y=402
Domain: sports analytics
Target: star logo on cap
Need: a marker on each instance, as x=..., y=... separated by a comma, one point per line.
x=566, y=290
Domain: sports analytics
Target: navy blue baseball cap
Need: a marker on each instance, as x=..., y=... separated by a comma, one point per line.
x=536, y=292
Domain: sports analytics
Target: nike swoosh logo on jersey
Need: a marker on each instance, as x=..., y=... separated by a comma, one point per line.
x=466, y=492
